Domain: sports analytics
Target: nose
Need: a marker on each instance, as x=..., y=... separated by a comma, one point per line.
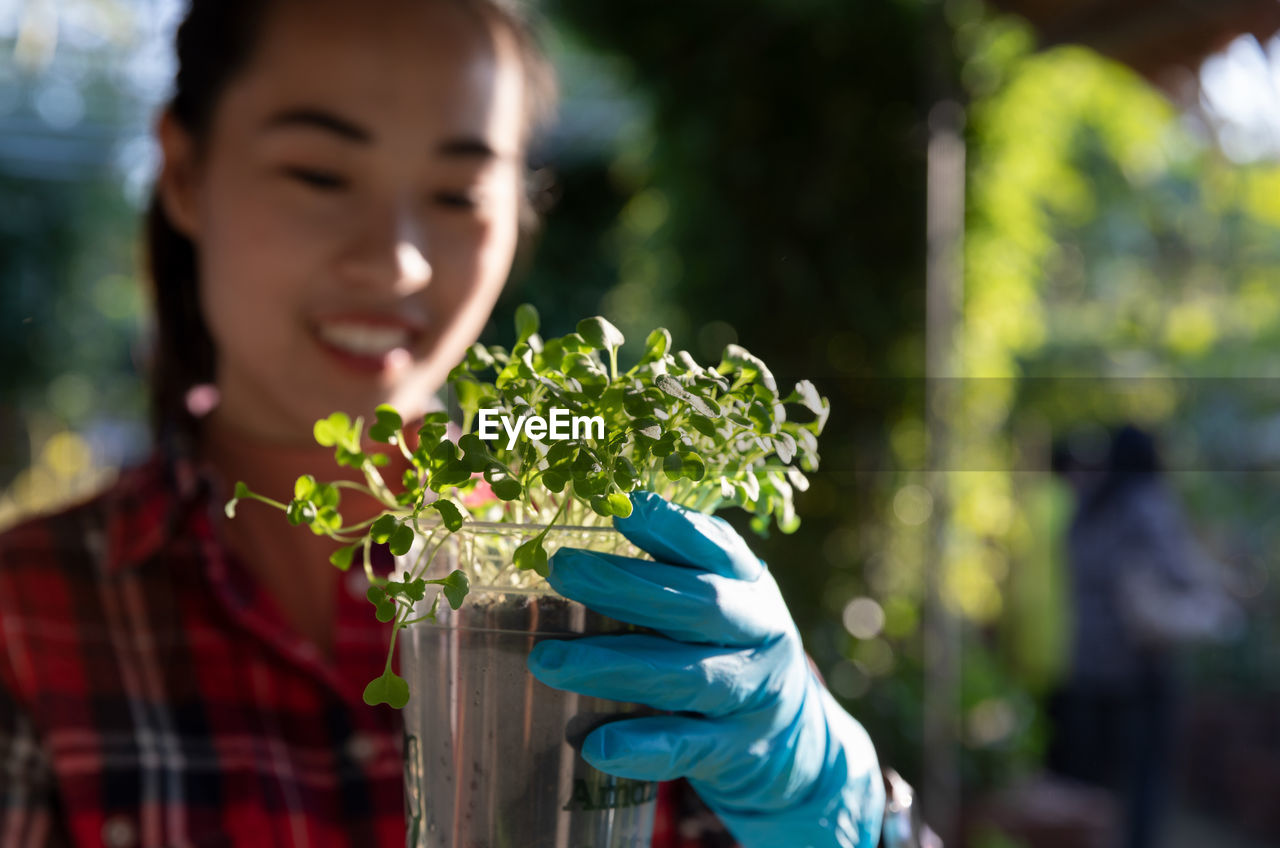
x=389, y=251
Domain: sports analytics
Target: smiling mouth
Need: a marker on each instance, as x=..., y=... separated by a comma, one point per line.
x=364, y=340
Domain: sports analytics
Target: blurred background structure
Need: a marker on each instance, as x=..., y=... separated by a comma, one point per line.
x=980, y=229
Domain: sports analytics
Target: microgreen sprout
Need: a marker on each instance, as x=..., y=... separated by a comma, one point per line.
x=700, y=436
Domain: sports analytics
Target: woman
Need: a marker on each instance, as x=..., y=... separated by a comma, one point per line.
x=338, y=210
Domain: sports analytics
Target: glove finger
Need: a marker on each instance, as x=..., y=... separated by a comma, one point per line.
x=681, y=536
x=682, y=603
x=665, y=674
x=659, y=748
x=739, y=761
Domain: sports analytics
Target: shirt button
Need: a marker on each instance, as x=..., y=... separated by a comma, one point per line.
x=119, y=832
x=361, y=748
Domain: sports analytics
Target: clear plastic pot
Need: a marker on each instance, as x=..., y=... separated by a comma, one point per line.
x=491, y=754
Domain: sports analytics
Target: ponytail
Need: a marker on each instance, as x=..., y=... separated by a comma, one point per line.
x=182, y=356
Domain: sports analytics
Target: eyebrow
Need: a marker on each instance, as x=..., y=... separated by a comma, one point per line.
x=318, y=119
x=455, y=148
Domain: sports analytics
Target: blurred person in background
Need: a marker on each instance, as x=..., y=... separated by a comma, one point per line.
x=338, y=210
x=1141, y=587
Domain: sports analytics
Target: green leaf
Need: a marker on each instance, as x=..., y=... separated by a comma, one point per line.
x=762, y=419
x=387, y=423
x=449, y=513
x=590, y=485
x=750, y=367
x=526, y=321
x=584, y=367
x=600, y=334
x=432, y=431
x=648, y=428
x=704, y=425
x=507, y=488
x=673, y=466
x=476, y=455
x=456, y=586
x=673, y=387
x=390, y=689
x=350, y=458
x=637, y=405
x=241, y=491
x=478, y=358
x=619, y=504
x=625, y=474
x=726, y=488
x=412, y=590
x=531, y=556
x=574, y=343
x=300, y=512
x=447, y=477
x=444, y=453
x=687, y=361
x=333, y=430
x=561, y=453
x=784, y=445
x=554, y=480
x=401, y=540
x=382, y=529
x=325, y=494
x=326, y=520
x=585, y=464
x=666, y=445
x=304, y=486
x=385, y=611
x=683, y=464
x=656, y=346
x=341, y=558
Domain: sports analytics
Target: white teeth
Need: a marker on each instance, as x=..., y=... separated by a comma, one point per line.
x=364, y=339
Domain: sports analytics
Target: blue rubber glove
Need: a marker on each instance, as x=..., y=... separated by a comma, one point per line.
x=759, y=737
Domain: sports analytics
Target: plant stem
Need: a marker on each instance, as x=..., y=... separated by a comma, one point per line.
x=266, y=500
x=401, y=615
x=368, y=562
x=400, y=444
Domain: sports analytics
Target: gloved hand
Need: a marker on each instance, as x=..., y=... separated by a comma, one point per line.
x=759, y=737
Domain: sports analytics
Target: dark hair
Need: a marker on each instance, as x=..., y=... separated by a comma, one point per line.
x=214, y=42
x=1133, y=451
x=1132, y=460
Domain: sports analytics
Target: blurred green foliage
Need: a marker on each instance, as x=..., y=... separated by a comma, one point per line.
x=71, y=307
x=1117, y=269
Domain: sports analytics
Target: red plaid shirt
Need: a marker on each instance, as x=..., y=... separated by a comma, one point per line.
x=150, y=695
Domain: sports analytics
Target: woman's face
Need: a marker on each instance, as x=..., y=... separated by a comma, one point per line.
x=355, y=208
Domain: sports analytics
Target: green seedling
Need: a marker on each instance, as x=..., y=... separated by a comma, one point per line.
x=701, y=436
